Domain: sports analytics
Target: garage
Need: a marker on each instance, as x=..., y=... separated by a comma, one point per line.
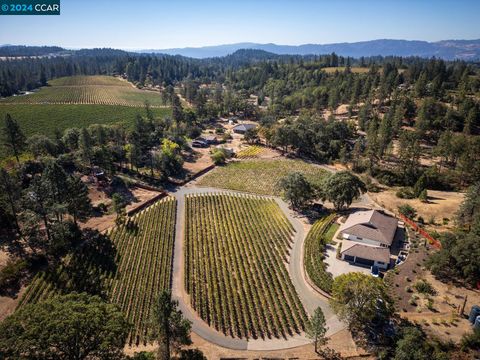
x=363, y=261
x=349, y=258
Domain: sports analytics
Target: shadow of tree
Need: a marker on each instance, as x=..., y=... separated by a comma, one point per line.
x=87, y=269
x=132, y=227
x=17, y=273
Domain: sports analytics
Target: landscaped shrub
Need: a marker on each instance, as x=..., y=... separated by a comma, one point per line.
x=424, y=287
x=339, y=250
x=218, y=157
x=430, y=305
x=407, y=210
x=423, y=197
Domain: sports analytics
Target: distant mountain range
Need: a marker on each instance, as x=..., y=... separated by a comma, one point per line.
x=445, y=49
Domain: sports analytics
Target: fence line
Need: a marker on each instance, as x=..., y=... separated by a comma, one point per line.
x=426, y=235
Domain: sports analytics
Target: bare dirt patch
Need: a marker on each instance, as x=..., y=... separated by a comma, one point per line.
x=342, y=110
x=4, y=257
x=106, y=221
x=341, y=342
x=438, y=312
x=197, y=161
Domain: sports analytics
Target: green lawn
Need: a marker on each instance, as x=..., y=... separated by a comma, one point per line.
x=44, y=119
x=331, y=231
x=259, y=176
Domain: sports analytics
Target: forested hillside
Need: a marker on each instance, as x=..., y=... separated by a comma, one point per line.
x=383, y=99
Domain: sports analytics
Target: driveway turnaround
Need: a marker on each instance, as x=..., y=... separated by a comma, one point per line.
x=309, y=297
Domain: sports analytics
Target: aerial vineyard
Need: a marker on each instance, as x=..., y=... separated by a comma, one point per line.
x=314, y=249
x=250, y=152
x=88, y=90
x=140, y=268
x=45, y=119
x=236, y=253
x=260, y=176
x=89, y=80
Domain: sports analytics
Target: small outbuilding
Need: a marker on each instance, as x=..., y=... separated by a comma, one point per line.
x=243, y=128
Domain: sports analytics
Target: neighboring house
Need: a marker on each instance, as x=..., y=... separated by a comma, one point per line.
x=242, y=128
x=368, y=236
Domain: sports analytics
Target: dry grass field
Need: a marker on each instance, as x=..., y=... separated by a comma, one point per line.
x=441, y=205
x=354, y=69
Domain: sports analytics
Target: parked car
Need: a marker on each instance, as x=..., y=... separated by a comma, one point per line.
x=199, y=144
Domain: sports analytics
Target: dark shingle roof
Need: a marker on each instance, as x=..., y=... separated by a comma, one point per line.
x=371, y=225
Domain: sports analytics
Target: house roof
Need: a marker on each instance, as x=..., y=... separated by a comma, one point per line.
x=372, y=225
x=365, y=251
x=244, y=127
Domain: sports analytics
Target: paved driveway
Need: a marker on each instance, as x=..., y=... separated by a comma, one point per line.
x=338, y=267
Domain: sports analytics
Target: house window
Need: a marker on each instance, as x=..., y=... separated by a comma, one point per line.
x=359, y=238
x=380, y=263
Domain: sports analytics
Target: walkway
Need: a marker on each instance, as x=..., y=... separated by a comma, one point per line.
x=309, y=297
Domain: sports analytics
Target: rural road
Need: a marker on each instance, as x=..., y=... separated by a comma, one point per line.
x=309, y=297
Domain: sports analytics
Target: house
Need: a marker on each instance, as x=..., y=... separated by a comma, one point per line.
x=368, y=236
x=243, y=128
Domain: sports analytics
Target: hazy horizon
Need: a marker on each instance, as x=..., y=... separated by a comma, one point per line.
x=162, y=25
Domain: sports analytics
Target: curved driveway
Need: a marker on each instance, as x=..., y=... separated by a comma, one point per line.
x=309, y=297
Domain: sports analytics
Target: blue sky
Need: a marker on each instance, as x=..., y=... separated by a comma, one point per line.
x=149, y=24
